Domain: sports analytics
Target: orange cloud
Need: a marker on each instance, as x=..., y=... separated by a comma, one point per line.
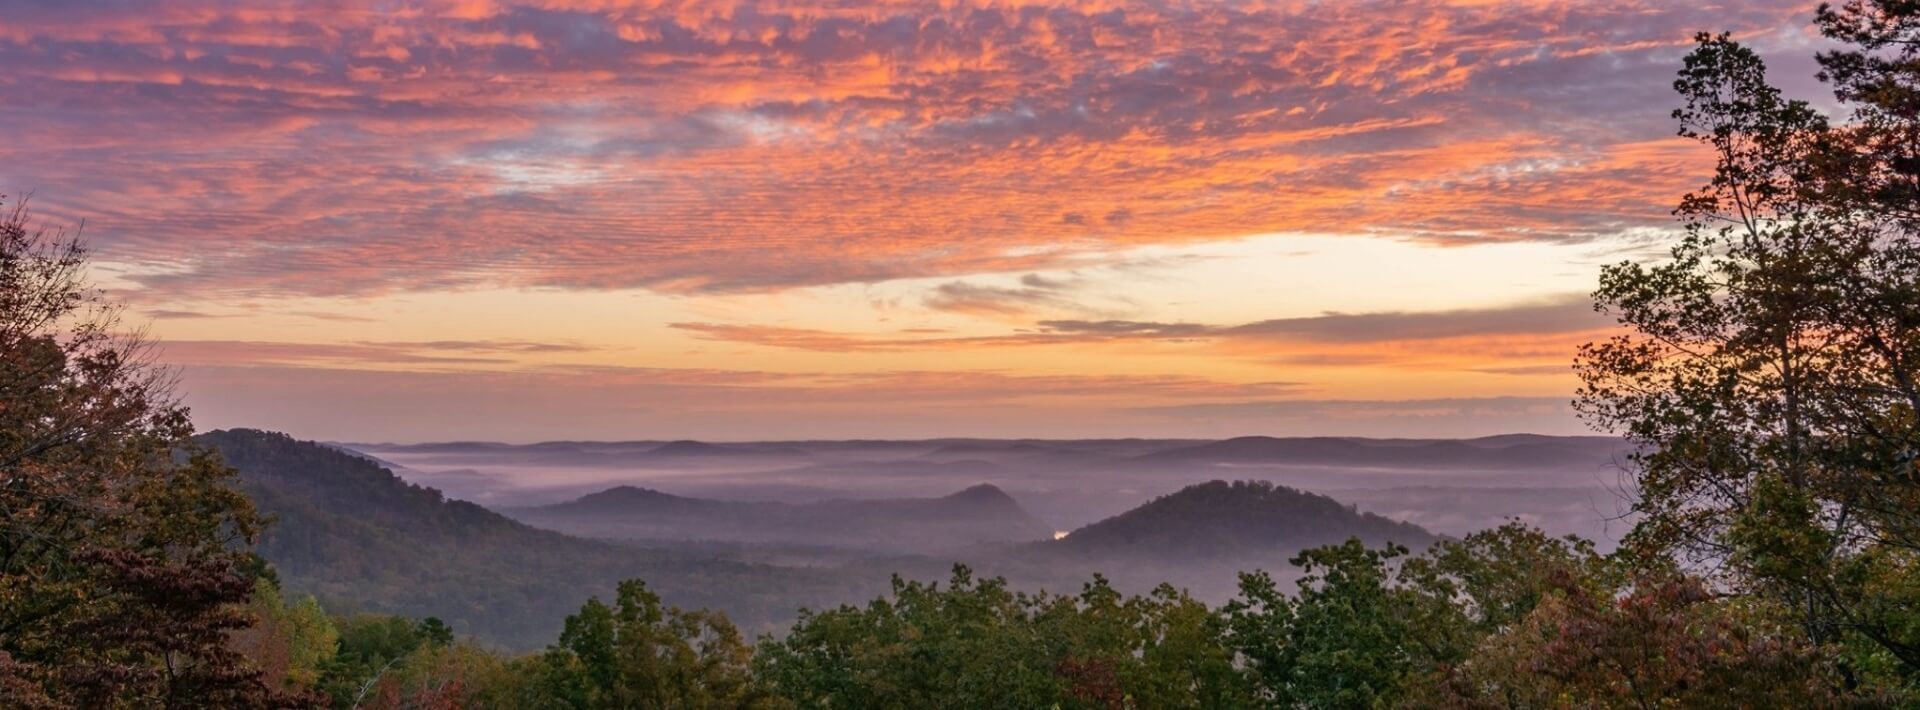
x=353, y=148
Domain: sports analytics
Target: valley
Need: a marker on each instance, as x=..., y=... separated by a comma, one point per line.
x=503, y=540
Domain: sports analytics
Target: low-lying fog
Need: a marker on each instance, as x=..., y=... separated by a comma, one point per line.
x=1452, y=487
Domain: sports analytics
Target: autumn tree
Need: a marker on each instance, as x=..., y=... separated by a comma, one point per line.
x=452, y=676
x=1770, y=368
x=1663, y=641
x=122, y=561
x=289, y=642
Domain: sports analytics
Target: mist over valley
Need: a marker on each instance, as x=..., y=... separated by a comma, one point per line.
x=1568, y=485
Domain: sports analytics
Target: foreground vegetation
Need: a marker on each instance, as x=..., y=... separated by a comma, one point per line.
x=1767, y=372
x=1507, y=618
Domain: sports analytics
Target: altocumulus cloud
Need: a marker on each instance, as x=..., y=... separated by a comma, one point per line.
x=345, y=148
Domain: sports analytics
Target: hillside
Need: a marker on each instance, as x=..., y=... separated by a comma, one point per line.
x=1250, y=522
x=358, y=537
x=978, y=515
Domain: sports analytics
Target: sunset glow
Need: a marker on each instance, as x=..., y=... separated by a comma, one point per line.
x=580, y=219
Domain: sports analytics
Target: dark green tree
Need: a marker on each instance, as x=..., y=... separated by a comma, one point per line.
x=370, y=647
x=434, y=631
x=1375, y=627
x=640, y=653
x=973, y=643
x=1351, y=635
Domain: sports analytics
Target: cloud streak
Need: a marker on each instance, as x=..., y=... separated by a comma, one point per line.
x=1561, y=316
x=440, y=354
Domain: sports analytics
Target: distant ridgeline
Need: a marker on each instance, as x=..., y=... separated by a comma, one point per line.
x=358, y=537
x=979, y=515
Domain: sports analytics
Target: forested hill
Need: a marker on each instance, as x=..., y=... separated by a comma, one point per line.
x=358, y=537
x=1234, y=521
x=981, y=514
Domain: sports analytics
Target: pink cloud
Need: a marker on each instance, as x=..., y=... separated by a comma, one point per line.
x=349, y=148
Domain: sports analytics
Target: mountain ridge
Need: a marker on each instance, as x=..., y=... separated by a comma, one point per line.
x=978, y=514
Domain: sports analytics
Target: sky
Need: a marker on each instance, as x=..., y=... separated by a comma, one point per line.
x=575, y=219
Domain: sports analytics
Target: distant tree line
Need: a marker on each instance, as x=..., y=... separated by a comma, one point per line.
x=1767, y=370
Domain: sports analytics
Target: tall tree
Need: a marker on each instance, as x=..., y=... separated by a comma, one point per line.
x=1769, y=368
x=122, y=560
